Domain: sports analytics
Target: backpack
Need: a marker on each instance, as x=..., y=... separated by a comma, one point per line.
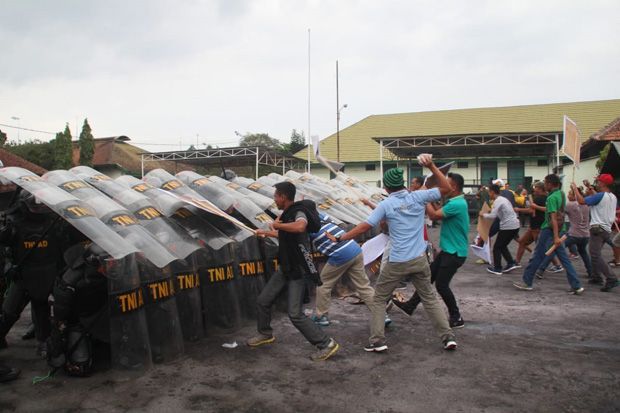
x=312, y=213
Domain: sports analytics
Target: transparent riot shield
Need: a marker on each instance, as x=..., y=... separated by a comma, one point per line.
x=252, y=274
x=252, y=185
x=189, y=300
x=159, y=293
x=220, y=197
x=240, y=207
x=115, y=216
x=76, y=212
x=130, y=346
x=263, y=202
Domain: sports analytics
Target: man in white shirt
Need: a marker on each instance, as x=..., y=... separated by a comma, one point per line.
x=602, y=216
x=508, y=230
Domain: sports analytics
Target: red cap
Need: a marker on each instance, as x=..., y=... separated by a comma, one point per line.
x=607, y=179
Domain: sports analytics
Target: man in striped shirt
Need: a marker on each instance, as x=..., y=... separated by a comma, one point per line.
x=344, y=257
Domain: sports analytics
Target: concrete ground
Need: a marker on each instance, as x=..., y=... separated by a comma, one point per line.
x=539, y=351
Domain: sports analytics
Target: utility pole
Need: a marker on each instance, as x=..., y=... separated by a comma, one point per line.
x=337, y=117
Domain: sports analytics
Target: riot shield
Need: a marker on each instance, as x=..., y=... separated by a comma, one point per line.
x=255, y=186
x=227, y=200
x=189, y=301
x=263, y=202
x=129, y=336
x=74, y=211
x=113, y=215
x=162, y=316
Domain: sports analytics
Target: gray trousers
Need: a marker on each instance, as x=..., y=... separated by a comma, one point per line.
x=389, y=278
x=312, y=332
x=598, y=238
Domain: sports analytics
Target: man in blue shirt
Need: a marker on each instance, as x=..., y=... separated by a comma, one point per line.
x=343, y=257
x=454, y=244
x=404, y=213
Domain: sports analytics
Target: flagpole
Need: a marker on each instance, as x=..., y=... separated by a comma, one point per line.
x=309, y=101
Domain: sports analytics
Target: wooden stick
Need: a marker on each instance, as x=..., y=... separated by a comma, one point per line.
x=554, y=247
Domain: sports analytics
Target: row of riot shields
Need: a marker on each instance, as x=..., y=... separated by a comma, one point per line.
x=183, y=257
x=174, y=268
x=233, y=286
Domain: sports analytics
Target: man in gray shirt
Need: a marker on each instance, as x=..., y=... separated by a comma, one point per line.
x=508, y=229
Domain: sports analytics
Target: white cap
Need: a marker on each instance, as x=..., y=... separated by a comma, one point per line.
x=499, y=182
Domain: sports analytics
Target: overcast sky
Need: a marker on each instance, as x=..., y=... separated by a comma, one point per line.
x=165, y=71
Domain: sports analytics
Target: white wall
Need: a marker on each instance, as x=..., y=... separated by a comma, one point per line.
x=532, y=169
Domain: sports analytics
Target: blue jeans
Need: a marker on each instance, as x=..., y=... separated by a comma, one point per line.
x=581, y=245
x=545, y=240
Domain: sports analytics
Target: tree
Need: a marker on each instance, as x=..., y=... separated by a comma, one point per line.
x=3, y=138
x=34, y=151
x=63, y=149
x=298, y=142
x=603, y=157
x=87, y=145
x=260, y=139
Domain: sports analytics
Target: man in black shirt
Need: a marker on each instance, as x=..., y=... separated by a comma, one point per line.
x=291, y=229
x=539, y=198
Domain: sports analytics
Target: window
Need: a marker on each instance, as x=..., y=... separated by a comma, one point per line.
x=371, y=166
x=543, y=162
x=387, y=166
x=462, y=164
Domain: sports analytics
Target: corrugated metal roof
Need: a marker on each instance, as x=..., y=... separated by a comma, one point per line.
x=356, y=141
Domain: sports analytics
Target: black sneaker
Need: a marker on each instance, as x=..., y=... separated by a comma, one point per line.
x=608, y=287
x=511, y=267
x=449, y=344
x=377, y=347
x=493, y=270
x=457, y=323
x=403, y=306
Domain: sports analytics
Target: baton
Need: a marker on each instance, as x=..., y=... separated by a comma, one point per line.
x=554, y=247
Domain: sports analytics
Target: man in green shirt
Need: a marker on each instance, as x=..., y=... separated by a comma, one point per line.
x=550, y=235
x=453, y=242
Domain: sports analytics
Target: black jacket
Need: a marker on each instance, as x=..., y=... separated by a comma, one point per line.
x=294, y=248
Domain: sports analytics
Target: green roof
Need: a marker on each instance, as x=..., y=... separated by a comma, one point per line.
x=357, y=144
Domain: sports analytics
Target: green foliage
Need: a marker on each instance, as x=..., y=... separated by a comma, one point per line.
x=63, y=149
x=298, y=142
x=603, y=156
x=34, y=151
x=3, y=138
x=260, y=139
x=87, y=145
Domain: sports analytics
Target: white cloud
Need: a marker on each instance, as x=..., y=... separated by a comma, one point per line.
x=157, y=71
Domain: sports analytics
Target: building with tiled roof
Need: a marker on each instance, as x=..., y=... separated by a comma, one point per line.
x=517, y=143
x=10, y=159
